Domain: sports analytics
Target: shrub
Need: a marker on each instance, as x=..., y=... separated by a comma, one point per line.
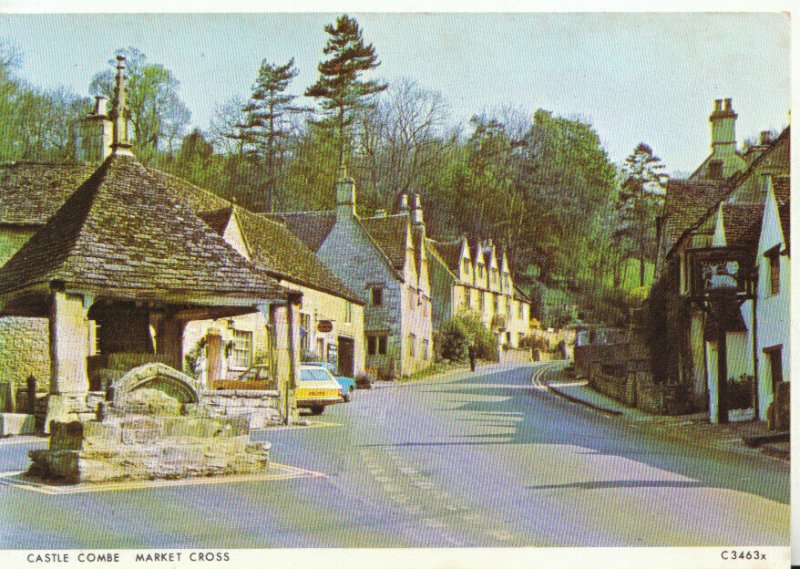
x=365, y=380
x=740, y=392
x=453, y=340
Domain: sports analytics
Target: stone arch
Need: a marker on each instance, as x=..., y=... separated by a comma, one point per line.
x=156, y=377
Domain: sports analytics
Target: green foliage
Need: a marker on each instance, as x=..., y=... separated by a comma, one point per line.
x=453, y=340
x=340, y=88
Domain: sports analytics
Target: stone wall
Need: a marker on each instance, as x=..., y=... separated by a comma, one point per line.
x=24, y=351
x=514, y=356
x=262, y=407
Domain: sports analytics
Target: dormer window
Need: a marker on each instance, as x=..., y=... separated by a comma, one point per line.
x=465, y=266
x=376, y=296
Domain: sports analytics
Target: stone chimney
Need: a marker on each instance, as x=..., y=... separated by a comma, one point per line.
x=765, y=138
x=416, y=210
x=723, y=127
x=403, y=203
x=120, y=145
x=345, y=195
x=93, y=134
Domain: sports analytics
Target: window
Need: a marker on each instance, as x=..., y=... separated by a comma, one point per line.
x=425, y=349
x=377, y=296
x=348, y=312
x=465, y=266
x=773, y=258
x=467, y=298
x=480, y=271
x=242, y=349
x=521, y=311
x=412, y=340
x=497, y=304
x=305, y=331
x=376, y=345
x=481, y=300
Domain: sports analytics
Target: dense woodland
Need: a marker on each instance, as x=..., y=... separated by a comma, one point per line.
x=540, y=185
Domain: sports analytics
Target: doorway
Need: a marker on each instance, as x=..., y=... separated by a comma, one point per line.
x=346, y=356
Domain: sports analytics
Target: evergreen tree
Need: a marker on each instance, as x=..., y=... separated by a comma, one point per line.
x=640, y=198
x=267, y=125
x=340, y=87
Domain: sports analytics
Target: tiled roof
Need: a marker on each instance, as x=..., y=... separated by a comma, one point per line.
x=277, y=250
x=685, y=204
x=30, y=193
x=390, y=233
x=198, y=199
x=519, y=295
x=782, y=189
x=217, y=220
x=122, y=230
x=738, y=218
x=450, y=252
x=311, y=227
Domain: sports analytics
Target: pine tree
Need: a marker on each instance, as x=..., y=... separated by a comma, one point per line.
x=339, y=86
x=267, y=126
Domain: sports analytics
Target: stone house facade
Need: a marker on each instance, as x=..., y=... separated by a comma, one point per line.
x=478, y=279
x=382, y=258
x=723, y=210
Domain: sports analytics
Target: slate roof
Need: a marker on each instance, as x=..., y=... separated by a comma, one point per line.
x=311, y=227
x=122, y=230
x=390, y=233
x=449, y=251
x=685, y=204
x=278, y=251
x=30, y=193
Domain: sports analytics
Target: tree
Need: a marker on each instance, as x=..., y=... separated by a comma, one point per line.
x=640, y=198
x=339, y=87
x=267, y=126
x=225, y=126
x=156, y=112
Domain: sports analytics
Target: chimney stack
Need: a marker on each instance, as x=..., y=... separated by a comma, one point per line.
x=766, y=137
x=94, y=134
x=120, y=144
x=416, y=210
x=403, y=202
x=345, y=195
x=723, y=127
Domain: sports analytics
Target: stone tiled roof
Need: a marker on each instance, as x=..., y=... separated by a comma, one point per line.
x=449, y=251
x=122, y=230
x=217, y=220
x=311, y=227
x=278, y=251
x=390, y=233
x=685, y=204
x=198, y=199
x=30, y=193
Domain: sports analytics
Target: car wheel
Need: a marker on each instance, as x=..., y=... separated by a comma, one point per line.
x=348, y=396
x=317, y=410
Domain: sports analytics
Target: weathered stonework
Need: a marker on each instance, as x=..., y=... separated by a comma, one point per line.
x=24, y=352
x=262, y=408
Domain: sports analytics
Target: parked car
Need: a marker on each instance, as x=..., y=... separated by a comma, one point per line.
x=348, y=383
x=255, y=377
x=317, y=388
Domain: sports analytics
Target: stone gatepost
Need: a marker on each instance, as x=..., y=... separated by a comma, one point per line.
x=69, y=350
x=285, y=322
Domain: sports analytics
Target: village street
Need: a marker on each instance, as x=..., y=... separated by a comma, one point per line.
x=482, y=459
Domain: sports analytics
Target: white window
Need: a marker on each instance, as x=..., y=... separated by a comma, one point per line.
x=348, y=312
x=242, y=352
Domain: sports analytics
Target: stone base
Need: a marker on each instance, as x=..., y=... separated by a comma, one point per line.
x=17, y=424
x=146, y=448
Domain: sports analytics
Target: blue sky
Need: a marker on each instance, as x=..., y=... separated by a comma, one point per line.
x=635, y=77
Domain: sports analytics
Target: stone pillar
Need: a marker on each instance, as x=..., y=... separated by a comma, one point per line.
x=284, y=320
x=214, y=354
x=170, y=341
x=69, y=349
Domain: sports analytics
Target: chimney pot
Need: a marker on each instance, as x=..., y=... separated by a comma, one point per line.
x=766, y=137
x=717, y=105
x=100, y=106
x=404, y=202
x=728, y=106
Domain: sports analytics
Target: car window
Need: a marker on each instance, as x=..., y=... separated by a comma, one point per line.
x=314, y=375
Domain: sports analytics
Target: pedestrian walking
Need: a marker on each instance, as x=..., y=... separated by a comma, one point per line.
x=473, y=356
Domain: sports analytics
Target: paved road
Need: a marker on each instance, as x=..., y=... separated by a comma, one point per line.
x=481, y=459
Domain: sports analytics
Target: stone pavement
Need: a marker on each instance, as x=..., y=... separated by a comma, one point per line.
x=694, y=429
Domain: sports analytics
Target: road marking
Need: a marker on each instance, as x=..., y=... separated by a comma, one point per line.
x=276, y=472
x=311, y=425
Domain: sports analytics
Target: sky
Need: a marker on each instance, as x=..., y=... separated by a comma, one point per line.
x=644, y=77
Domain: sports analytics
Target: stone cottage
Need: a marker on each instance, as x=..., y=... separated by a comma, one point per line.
x=477, y=279
x=382, y=259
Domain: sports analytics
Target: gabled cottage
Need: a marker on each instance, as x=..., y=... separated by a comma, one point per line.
x=474, y=278
x=382, y=259
x=717, y=209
